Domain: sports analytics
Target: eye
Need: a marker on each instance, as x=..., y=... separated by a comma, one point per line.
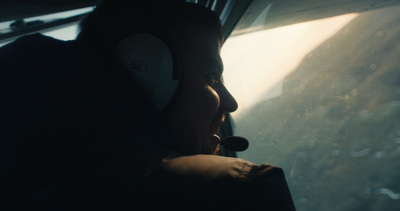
x=212, y=79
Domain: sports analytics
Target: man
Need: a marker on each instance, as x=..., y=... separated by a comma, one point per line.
x=87, y=128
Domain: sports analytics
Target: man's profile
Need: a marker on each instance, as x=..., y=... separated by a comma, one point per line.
x=126, y=114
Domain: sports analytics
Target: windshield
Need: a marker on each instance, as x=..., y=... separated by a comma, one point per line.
x=321, y=99
x=63, y=31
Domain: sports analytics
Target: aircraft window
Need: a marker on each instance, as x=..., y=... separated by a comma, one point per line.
x=64, y=33
x=66, y=27
x=321, y=99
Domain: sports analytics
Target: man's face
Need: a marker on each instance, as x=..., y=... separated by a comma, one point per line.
x=203, y=100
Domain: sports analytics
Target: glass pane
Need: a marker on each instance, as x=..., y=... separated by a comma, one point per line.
x=321, y=99
x=63, y=32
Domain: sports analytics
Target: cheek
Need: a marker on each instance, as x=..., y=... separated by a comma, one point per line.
x=196, y=111
x=199, y=102
x=203, y=100
x=203, y=104
x=211, y=101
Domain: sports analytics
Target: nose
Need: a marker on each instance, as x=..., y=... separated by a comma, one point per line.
x=227, y=101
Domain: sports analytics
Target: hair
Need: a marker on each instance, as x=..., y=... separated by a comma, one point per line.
x=112, y=20
x=172, y=21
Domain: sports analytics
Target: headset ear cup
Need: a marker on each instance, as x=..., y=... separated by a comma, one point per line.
x=151, y=63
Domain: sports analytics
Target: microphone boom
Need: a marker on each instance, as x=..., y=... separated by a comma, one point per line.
x=235, y=143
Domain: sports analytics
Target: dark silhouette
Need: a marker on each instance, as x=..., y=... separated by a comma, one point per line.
x=80, y=131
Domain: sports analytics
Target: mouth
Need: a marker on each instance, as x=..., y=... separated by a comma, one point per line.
x=217, y=123
x=215, y=140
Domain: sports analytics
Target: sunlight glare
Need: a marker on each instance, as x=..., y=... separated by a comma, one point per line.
x=256, y=63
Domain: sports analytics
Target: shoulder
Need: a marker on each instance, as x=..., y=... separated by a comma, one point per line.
x=220, y=170
x=208, y=167
x=221, y=181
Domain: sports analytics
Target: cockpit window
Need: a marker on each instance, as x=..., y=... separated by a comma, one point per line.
x=61, y=25
x=318, y=96
x=321, y=99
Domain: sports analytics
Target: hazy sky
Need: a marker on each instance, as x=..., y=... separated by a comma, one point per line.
x=256, y=63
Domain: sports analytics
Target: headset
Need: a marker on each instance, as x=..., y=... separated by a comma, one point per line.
x=157, y=70
x=152, y=64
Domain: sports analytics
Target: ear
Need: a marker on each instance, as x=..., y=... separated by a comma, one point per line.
x=151, y=64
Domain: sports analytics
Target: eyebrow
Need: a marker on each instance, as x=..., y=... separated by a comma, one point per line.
x=214, y=63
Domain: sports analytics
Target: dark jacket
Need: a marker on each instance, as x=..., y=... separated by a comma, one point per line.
x=77, y=133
